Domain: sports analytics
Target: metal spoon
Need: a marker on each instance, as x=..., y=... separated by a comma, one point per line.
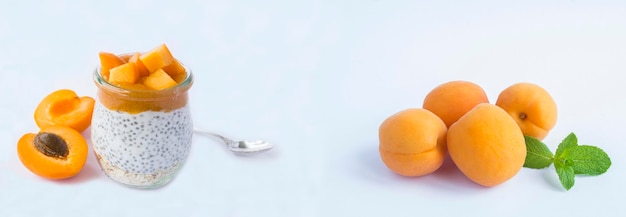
x=244, y=146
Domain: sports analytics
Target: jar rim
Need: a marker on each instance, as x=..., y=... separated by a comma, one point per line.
x=178, y=88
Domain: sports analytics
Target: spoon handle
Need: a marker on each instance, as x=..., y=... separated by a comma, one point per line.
x=226, y=140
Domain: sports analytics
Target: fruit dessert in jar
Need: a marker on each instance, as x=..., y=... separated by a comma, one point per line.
x=141, y=128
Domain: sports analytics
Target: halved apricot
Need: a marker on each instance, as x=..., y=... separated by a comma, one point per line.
x=63, y=107
x=56, y=152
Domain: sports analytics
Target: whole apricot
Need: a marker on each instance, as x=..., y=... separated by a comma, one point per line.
x=56, y=152
x=487, y=145
x=531, y=107
x=413, y=142
x=64, y=107
x=453, y=99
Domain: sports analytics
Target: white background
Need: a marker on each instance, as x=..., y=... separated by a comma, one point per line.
x=317, y=78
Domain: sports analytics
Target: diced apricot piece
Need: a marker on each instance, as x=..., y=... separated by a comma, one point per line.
x=157, y=58
x=125, y=73
x=179, y=77
x=107, y=62
x=159, y=80
x=139, y=67
x=174, y=68
x=144, y=70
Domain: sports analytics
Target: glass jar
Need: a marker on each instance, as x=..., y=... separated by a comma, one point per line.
x=141, y=138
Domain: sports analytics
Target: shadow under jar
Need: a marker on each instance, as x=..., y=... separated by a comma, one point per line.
x=141, y=138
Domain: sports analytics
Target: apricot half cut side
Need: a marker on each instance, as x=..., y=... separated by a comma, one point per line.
x=56, y=152
x=63, y=107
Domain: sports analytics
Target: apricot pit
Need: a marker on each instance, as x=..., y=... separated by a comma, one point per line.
x=51, y=145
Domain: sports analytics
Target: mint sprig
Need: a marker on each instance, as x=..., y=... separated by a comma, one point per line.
x=569, y=160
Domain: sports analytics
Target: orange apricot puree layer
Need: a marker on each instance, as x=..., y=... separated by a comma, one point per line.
x=134, y=105
x=135, y=101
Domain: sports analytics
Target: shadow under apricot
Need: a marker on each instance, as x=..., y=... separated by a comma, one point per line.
x=448, y=177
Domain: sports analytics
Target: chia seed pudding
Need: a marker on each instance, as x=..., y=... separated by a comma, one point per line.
x=141, y=138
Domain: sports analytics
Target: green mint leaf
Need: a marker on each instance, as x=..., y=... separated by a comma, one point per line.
x=570, y=159
x=569, y=141
x=538, y=155
x=588, y=160
x=566, y=174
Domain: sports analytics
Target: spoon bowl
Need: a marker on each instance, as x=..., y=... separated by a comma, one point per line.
x=247, y=146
